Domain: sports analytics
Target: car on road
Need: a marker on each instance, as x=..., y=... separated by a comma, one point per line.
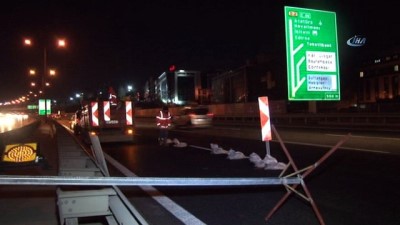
x=193, y=117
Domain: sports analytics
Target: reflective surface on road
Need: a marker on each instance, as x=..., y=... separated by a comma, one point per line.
x=10, y=121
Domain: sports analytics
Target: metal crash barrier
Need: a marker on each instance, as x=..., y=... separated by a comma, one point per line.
x=77, y=165
x=78, y=169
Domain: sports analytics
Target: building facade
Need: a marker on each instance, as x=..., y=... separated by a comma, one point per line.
x=179, y=87
x=260, y=77
x=379, y=85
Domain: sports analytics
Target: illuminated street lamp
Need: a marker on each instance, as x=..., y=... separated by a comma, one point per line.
x=52, y=72
x=61, y=43
x=130, y=88
x=27, y=42
x=32, y=72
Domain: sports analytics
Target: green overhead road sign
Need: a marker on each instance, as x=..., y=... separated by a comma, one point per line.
x=311, y=54
x=44, y=107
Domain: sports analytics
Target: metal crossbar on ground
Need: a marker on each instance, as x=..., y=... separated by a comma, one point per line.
x=144, y=181
x=303, y=173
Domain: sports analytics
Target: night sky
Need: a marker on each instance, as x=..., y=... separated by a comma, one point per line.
x=117, y=42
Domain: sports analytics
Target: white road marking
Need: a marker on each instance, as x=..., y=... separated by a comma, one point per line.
x=369, y=137
x=329, y=146
x=325, y=146
x=315, y=145
x=180, y=213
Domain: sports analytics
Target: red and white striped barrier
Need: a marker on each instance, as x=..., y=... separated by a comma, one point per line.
x=265, y=119
x=129, y=114
x=106, y=111
x=95, y=113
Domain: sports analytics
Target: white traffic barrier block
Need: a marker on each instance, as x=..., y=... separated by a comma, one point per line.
x=168, y=141
x=177, y=143
x=270, y=160
x=215, y=149
x=180, y=145
x=275, y=166
x=213, y=146
x=232, y=154
x=254, y=157
x=257, y=160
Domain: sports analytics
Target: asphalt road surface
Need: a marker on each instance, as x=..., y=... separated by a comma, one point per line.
x=356, y=185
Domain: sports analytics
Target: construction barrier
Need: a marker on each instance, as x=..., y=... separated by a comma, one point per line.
x=81, y=170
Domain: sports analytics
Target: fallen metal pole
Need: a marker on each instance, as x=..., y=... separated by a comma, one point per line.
x=298, y=173
x=144, y=181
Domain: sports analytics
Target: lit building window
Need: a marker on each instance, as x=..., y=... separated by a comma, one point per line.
x=361, y=74
x=396, y=68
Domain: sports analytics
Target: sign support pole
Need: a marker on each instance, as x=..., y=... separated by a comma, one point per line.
x=267, y=147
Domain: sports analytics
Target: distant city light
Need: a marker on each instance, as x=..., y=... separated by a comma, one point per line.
x=62, y=43
x=52, y=72
x=27, y=41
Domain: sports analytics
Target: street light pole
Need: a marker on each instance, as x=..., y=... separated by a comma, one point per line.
x=44, y=68
x=43, y=80
x=60, y=43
